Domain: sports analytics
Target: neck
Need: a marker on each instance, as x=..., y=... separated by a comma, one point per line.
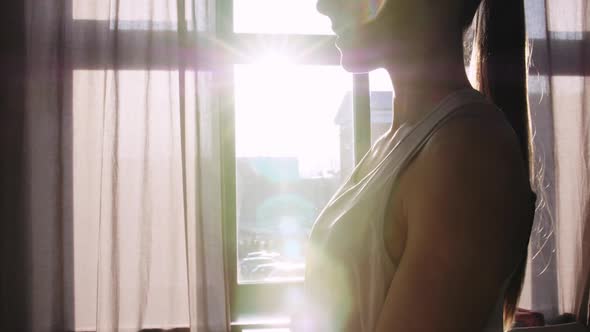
x=423, y=79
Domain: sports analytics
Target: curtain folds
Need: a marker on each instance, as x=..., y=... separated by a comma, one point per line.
x=122, y=201
x=559, y=270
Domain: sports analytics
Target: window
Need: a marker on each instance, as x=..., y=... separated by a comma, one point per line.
x=295, y=122
x=289, y=157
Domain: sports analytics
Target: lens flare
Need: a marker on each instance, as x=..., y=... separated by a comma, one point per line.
x=371, y=8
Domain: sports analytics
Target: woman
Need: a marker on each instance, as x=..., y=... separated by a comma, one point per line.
x=430, y=232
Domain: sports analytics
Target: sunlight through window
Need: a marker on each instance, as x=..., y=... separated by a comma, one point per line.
x=280, y=17
x=381, y=103
x=289, y=154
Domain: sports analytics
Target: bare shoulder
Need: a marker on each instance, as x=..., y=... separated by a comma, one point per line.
x=480, y=141
x=466, y=214
x=474, y=126
x=471, y=176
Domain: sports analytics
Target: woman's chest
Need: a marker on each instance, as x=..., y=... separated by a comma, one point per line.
x=365, y=216
x=362, y=224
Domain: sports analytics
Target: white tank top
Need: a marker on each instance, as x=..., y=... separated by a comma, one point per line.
x=348, y=268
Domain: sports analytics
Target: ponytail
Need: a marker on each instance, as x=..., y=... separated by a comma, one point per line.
x=501, y=75
x=500, y=39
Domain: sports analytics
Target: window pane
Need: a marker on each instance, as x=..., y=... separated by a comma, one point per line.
x=381, y=103
x=279, y=16
x=291, y=143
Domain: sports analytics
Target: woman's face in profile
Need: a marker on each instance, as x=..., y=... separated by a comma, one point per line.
x=371, y=32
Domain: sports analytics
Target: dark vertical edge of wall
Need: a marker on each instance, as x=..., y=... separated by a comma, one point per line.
x=66, y=313
x=14, y=254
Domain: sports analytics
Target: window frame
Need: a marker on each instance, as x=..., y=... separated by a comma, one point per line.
x=268, y=309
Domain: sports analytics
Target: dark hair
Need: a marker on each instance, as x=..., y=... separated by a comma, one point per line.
x=501, y=74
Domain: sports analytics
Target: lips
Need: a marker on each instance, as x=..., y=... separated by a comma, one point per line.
x=341, y=32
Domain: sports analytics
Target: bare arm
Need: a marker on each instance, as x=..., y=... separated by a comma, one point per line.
x=465, y=203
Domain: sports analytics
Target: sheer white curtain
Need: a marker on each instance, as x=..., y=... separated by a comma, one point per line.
x=558, y=275
x=568, y=24
x=123, y=195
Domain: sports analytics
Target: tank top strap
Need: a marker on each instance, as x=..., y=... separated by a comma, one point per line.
x=447, y=109
x=408, y=145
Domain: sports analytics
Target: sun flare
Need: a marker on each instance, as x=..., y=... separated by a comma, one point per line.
x=289, y=110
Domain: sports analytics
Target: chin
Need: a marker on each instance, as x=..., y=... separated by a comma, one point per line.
x=357, y=67
x=358, y=60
